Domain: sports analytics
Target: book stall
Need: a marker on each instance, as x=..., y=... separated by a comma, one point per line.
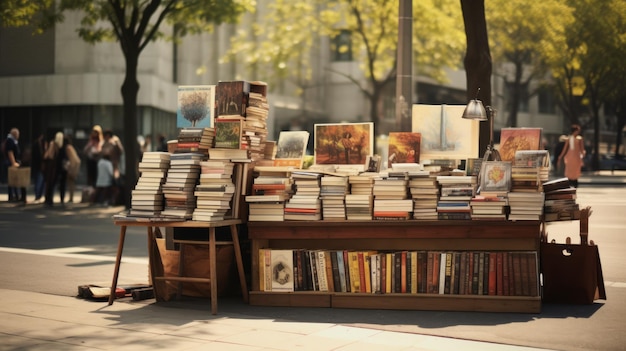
x=425, y=226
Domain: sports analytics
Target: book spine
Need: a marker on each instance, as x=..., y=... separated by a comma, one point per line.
x=492, y=274
x=448, y=274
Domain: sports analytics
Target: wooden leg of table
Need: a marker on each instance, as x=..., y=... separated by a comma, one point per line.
x=213, y=269
x=118, y=259
x=239, y=261
x=152, y=260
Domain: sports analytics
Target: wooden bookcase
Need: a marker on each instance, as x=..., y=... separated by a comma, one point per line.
x=395, y=235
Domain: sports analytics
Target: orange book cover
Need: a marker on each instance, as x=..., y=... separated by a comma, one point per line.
x=361, y=262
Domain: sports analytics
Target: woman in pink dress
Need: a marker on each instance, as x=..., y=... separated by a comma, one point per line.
x=573, y=153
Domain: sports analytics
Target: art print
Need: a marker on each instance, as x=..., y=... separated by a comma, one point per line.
x=343, y=143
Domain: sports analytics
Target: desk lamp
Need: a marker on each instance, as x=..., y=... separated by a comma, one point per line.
x=476, y=111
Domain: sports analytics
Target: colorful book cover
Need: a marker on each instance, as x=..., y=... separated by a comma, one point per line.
x=495, y=176
x=196, y=106
x=232, y=98
x=228, y=133
x=404, y=147
x=514, y=139
x=343, y=143
x=291, y=148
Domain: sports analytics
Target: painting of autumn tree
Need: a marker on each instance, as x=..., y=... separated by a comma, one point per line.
x=404, y=147
x=343, y=143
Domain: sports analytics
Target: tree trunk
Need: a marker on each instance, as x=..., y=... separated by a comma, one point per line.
x=130, y=89
x=478, y=66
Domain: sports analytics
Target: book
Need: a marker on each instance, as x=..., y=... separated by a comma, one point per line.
x=514, y=139
x=404, y=147
x=195, y=106
x=282, y=270
x=228, y=133
x=291, y=148
x=232, y=98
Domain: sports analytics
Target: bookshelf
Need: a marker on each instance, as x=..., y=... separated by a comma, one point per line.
x=444, y=235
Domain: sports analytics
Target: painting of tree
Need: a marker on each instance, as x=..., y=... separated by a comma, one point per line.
x=343, y=143
x=195, y=106
x=404, y=147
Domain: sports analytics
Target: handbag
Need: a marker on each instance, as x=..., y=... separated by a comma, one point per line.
x=572, y=273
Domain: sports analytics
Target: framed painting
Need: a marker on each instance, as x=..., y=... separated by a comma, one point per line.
x=343, y=143
x=195, y=106
x=404, y=147
x=514, y=139
x=495, y=176
x=291, y=148
x=444, y=133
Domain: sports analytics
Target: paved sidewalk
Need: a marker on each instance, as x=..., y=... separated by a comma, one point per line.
x=34, y=321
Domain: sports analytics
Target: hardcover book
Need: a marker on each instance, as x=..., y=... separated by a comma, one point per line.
x=514, y=139
x=232, y=98
x=291, y=148
x=228, y=133
x=404, y=147
x=196, y=106
x=495, y=176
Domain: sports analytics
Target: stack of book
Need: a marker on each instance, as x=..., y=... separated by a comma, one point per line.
x=391, y=200
x=535, y=158
x=255, y=125
x=560, y=201
x=359, y=203
x=525, y=206
x=489, y=207
x=147, y=196
x=456, y=194
x=195, y=140
x=214, y=192
x=271, y=188
x=333, y=194
x=180, y=185
x=305, y=204
x=424, y=190
x=526, y=178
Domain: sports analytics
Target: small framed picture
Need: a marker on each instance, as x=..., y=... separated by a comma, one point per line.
x=495, y=176
x=372, y=163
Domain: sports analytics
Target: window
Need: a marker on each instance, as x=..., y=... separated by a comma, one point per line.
x=342, y=47
x=546, y=101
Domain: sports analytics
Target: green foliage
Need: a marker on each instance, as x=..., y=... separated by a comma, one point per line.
x=37, y=13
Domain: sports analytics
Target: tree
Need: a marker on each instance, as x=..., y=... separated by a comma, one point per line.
x=285, y=37
x=525, y=36
x=134, y=24
x=592, y=72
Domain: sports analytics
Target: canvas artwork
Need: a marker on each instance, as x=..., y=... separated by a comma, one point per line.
x=404, y=147
x=196, y=106
x=495, y=176
x=444, y=133
x=232, y=98
x=291, y=148
x=228, y=133
x=343, y=143
x=514, y=139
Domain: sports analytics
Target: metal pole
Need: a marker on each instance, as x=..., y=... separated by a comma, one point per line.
x=404, y=74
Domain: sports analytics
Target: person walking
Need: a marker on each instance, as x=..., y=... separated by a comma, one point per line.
x=92, y=151
x=12, y=156
x=572, y=155
x=72, y=166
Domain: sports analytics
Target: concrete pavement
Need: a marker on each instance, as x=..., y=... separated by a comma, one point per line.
x=33, y=321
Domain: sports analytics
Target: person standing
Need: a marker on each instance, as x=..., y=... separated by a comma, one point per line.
x=13, y=156
x=72, y=166
x=38, y=150
x=92, y=153
x=55, y=172
x=573, y=154
x=104, y=183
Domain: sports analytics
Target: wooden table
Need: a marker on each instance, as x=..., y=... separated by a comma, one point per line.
x=150, y=224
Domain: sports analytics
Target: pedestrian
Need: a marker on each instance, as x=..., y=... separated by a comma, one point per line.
x=573, y=154
x=54, y=169
x=162, y=143
x=92, y=151
x=72, y=166
x=38, y=150
x=112, y=146
x=12, y=157
x=104, y=184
